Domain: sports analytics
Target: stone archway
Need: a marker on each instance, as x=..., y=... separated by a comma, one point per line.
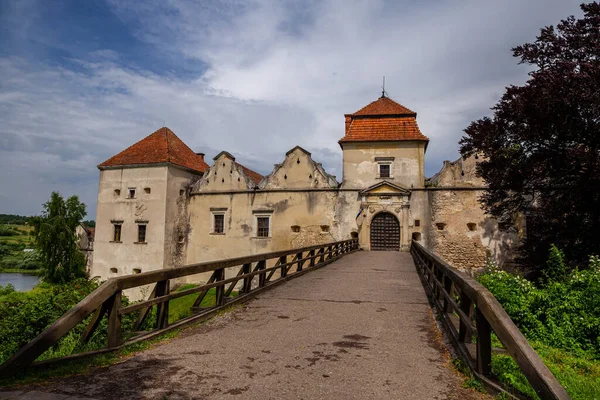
x=385, y=232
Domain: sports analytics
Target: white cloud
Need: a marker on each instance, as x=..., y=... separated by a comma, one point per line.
x=279, y=74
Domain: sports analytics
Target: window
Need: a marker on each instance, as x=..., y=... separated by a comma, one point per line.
x=131, y=193
x=295, y=228
x=384, y=170
x=113, y=271
x=441, y=226
x=324, y=228
x=117, y=232
x=472, y=226
x=117, y=192
x=219, y=223
x=262, y=226
x=217, y=226
x=141, y=233
x=147, y=190
x=137, y=270
x=417, y=222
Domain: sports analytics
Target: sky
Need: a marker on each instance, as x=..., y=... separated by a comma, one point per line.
x=81, y=80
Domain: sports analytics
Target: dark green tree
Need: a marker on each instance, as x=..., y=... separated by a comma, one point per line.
x=56, y=240
x=541, y=147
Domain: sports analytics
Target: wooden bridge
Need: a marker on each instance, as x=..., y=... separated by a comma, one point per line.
x=360, y=328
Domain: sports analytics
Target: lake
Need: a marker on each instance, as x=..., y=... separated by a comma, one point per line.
x=21, y=282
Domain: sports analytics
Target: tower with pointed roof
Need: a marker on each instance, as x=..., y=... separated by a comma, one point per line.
x=383, y=141
x=140, y=213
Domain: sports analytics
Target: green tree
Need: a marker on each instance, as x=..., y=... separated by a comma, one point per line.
x=56, y=240
x=541, y=147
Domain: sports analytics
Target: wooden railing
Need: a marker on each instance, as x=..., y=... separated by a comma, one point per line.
x=460, y=300
x=254, y=274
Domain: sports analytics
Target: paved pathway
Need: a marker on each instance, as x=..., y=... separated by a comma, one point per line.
x=360, y=328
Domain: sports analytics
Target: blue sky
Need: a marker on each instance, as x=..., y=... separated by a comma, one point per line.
x=84, y=79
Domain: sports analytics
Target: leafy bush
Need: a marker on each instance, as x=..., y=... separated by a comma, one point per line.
x=6, y=290
x=562, y=313
x=7, y=231
x=24, y=315
x=26, y=261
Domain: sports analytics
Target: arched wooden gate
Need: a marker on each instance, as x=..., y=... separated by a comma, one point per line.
x=385, y=232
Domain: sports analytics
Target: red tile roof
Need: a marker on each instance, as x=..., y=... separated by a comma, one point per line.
x=253, y=175
x=163, y=146
x=382, y=120
x=384, y=106
x=383, y=129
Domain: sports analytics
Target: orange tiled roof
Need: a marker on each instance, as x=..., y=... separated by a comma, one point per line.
x=384, y=106
x=382, y=120
x=163, y=146
x=253, y=175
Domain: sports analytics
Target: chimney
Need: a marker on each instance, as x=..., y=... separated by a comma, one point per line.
x=201, y=155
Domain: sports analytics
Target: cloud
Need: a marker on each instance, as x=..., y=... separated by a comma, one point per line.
x=270, y=75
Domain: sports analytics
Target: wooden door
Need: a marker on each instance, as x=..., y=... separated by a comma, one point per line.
x=385, y=232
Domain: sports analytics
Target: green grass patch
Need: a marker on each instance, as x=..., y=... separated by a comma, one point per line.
x=578, y=372
x=182, y=307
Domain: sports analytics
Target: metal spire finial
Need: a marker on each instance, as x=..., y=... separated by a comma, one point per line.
x=383, y=88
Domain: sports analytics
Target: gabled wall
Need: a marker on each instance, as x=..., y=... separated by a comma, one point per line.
x=224, y=175
x=468, y=236
x=298, y=171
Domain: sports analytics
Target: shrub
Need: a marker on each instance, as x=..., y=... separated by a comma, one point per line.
x=7, y=231
x=23, y=316
x=563, y=313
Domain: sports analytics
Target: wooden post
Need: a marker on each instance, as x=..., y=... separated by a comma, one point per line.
x=300, y=262
x=247, y=281
x=162, y=309
x=484, y=344
x=322, y=253
x=448, y=288
x=114, y=320
x=261, y=265
x=284, y=268
x=464, y=334
x=220, y=290
x=311, y=254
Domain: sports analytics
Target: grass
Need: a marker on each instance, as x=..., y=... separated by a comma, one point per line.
x=36, y=272
x=579, y=373
x=182, y=307
x=23, y=238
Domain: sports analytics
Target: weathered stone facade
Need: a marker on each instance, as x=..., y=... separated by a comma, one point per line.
x=194, y=213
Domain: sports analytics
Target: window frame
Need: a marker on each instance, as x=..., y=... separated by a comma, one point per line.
x=114, y=232
x=145, y=225
x=387, y=164
x=258, y=227
x=263, y=214
x=213, y=213
x=129, y=190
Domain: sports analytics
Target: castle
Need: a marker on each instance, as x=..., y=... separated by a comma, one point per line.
x=160, y=205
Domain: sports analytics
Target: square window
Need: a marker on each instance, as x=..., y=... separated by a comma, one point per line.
x=384, y=170
x=131, y=193
x=219, y=223
x=141, y=233
x=262, y=226
x=417, y=222
x=116, y=232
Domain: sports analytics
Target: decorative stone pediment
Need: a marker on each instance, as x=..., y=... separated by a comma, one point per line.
x=385, y=188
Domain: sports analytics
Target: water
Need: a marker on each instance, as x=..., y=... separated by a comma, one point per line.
x=21, y=282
